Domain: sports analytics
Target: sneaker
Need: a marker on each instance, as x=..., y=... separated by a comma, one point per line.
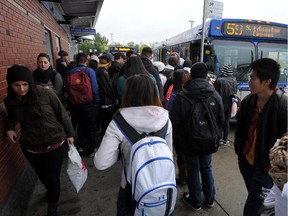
x=186, y=200
x=80, y=150
x=221, y=142
x=225, y=142
x=91, y=155
x=209, y=203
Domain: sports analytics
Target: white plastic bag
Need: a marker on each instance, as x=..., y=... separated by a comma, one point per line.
x=234, y=109
x=76, y=170
x=235, y=105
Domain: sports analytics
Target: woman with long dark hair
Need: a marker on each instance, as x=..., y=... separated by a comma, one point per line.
x=132, y=67
x=180, y=77
x=142, y=109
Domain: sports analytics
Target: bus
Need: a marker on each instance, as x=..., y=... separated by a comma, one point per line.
x=123, y=50
x=237, y=42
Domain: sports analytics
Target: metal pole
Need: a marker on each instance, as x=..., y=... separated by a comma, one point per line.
x=203, y=31
x=111, y=38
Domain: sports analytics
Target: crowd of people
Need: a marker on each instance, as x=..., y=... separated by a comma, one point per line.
x=80, y=99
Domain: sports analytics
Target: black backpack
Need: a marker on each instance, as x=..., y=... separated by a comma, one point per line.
x=201, y=131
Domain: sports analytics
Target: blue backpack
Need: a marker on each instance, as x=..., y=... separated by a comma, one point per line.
x=150, y=178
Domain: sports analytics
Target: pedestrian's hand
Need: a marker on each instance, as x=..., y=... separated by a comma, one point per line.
x=70, y=140
x=11, y=134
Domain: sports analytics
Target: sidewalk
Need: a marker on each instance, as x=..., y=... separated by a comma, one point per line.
x=99, y=194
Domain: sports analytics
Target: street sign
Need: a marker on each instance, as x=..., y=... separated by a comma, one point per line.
x=83, y=31
x=214, y=9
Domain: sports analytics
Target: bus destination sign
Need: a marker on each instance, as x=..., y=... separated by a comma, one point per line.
x=254, y=30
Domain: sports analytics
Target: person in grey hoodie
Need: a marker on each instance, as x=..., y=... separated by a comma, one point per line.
x=142, y=109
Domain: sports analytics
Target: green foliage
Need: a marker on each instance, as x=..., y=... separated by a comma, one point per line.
x=97, y=45
x=100, y=43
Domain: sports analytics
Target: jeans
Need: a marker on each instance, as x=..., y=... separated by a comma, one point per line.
x=255, y=181
x=48, y=168
x=196, y=165
x=226, y=125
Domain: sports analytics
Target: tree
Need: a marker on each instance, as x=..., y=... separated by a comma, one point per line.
x=99, y=43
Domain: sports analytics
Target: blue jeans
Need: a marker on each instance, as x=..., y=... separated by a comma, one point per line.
x=196, y=165
x=254, y=181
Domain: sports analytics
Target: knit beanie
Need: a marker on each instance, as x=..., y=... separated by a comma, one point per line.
x=226, y=71
x=159, y=65
x=19, y=73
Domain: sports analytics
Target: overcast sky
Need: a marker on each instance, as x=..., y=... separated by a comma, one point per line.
x=150, y=21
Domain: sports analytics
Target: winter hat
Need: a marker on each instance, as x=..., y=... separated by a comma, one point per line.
x=187, y=69
x=169, y=67
x=95, y=58
x=105, y=60
x=226, y=71
x=159, y=65
x=19, y=73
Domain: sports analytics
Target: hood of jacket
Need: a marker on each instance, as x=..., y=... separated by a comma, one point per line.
x=148, y=64
x=198, y=88
x=145, y=118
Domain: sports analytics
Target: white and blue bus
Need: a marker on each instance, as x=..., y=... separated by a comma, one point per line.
x=231, y=41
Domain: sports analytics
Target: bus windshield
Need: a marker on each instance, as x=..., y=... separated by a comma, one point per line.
x=279, y=53
x=237, y=53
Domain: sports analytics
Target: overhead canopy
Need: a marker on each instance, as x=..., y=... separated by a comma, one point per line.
x=82, y=13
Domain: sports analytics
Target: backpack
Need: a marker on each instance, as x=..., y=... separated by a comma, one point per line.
x=201, y=129
x=150, y=178
x=78, y=88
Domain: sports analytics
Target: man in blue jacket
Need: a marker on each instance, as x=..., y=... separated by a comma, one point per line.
x=84, y=116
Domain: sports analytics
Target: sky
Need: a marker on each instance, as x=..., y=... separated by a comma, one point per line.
x=151, y=21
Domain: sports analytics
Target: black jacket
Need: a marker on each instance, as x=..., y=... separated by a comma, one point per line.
x=194, y=89
x=43, y=119
x=226, y=87
x=114, y=69
x=152, y=70
x=271, y=125
x=106, y=92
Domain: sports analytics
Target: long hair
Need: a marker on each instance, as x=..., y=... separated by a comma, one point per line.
x=180, y=77
x=140, y=90
x=134, y=66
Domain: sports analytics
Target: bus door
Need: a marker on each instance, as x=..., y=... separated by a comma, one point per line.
x=195, y=52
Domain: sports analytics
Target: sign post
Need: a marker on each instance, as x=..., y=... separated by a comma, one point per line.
x=213, y=10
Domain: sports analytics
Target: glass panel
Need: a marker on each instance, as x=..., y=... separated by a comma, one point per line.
x=239, y=54
x=279, y=53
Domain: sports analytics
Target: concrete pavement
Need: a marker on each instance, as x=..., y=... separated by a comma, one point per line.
x=99, y=194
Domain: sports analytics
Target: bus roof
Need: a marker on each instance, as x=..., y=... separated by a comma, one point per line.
x=210, y=26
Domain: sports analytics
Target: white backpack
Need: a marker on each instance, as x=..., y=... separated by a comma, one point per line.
x=151, y=174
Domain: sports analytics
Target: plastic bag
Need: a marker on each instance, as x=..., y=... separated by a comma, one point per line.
x=234, y=109
x=235, y=105
x=76, y=170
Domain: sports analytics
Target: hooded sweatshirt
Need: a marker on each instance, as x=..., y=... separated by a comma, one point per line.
x=143, y=119
x=195, y=89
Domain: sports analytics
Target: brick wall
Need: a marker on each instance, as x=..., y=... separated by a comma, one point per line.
x=22, y=38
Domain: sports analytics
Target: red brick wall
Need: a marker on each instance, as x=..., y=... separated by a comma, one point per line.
x=22, y=38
